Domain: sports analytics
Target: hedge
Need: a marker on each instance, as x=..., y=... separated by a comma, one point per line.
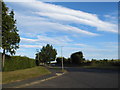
x=13, y=63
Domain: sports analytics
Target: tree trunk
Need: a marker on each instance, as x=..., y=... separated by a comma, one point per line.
x=3, y=58
x=49, y=63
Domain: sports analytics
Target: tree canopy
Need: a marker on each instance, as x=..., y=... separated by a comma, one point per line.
x=10, y=36
x=77, y=58
x=47, y=54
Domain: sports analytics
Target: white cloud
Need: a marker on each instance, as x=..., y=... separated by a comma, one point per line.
x=19, y=0
x=28, y=40
x=109, y=16
x=80, y=44
x=59, y=12
x=112, y=17
x=57, y=18
x=31, y=46
x=42, y=25
x=89, y=20
x=63, y=0
x=43, y=40
x=90, y=52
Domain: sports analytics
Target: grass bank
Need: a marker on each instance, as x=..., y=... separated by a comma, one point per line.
x=18, y=75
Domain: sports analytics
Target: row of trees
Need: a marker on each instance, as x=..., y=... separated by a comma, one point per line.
x=48, y=54
x=76, y=58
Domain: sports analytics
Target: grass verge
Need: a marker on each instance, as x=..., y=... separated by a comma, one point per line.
x=18, y=75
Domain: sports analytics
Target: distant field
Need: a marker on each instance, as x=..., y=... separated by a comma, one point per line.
x=19, y=75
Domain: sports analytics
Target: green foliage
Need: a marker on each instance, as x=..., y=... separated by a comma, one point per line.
x=10, y=36
x=13, y=63
x=37, y=62
x=65, y=60
x=77, y=58
x=105, y=62
x=59, y=60
x=47, y=54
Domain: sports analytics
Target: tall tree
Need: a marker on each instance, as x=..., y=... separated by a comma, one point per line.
x=47, y=54
x=77, y=58
x=10, y=36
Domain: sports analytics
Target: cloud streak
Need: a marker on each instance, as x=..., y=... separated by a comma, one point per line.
x=59, y=18
x=64, y=40
x=44, y=25
x=31, y=46
x=66, y=14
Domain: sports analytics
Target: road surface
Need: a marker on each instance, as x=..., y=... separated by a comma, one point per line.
x=82, y=78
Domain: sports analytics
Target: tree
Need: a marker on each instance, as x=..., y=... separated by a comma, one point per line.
x=10, y=36
x=58, y=59
x=77, y=58
x=65, y=60
x=47, y=54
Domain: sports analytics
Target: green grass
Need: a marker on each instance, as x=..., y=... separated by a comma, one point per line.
x=18, y=75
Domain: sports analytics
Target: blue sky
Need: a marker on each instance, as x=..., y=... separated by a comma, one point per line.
x=88, y=27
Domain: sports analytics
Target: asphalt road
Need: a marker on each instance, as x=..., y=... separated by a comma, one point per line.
x=82, y=78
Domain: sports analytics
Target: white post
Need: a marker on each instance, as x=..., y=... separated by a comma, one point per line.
x=62, y=58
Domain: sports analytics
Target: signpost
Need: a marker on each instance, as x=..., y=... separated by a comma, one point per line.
x=62, y=59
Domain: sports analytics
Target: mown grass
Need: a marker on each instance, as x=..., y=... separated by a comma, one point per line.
x=18, y=75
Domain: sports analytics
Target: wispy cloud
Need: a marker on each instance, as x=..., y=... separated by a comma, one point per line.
x=41, y=25
x=62, y=1
x=66, y=14
x=31, y=46
x=80, y=44
x=28, y=40
x=90, y=52
x=57, y=18
x=81, y=18
x=64, y=40
x=19, y=0
x=112, y=17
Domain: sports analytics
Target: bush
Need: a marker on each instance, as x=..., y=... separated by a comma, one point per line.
x=13, y=63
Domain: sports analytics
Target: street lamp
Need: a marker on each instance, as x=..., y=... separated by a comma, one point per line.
x=62, y=58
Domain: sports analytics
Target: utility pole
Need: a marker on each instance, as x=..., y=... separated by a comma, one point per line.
x=62, y=58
